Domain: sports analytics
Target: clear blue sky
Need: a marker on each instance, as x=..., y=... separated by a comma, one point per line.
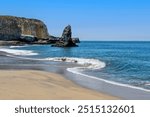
x=90, y=19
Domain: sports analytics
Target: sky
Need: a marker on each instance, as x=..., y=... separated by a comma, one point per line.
x=104, y=20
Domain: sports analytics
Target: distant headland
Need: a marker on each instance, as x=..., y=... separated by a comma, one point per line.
x=20, y=31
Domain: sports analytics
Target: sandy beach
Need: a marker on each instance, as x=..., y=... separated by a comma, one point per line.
x=32, y=84
x=22, y=78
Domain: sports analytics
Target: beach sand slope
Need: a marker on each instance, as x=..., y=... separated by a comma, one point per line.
x=31, y=84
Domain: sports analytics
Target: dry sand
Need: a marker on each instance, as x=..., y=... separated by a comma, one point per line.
x=30, y=84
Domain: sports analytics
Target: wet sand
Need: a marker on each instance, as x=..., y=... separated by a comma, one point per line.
x=93, y=88
x=31, y=79
x=23, y=68
x=35, y=84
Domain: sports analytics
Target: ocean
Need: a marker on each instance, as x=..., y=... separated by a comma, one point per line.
x=124, y=63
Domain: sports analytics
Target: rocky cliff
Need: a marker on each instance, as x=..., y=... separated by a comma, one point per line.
x=12, y=28
x=19, y=31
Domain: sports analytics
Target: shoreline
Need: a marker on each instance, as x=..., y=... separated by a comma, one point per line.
x=122, y=91
x=34, y=80
x=33, y=84
x=84, y=81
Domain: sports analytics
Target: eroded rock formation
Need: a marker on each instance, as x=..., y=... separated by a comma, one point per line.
x=66, y=39
x=19, y=31
x=22, y=29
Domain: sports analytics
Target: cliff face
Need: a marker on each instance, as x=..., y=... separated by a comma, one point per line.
x=19, y=31
x=12, y=28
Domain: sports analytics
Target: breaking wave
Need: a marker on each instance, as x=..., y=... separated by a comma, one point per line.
x=86, y=63
x=91, y=64
x=18, y=52
x=18, y=46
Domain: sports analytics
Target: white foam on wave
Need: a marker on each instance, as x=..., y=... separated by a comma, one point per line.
x=17, y=46
x=91, y=64
x=147, y=84
x=86, y=63
x=76, y=71
x=18, y=52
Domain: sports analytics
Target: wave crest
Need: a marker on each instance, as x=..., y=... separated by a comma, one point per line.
x=18, y=52
x=18, y=46
x=86, y=63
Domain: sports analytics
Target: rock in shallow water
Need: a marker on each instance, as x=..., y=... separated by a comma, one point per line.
x=66, y=39
x=67, y=34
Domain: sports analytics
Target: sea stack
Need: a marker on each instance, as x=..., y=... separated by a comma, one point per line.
x=66, y=39
x=20, y=31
